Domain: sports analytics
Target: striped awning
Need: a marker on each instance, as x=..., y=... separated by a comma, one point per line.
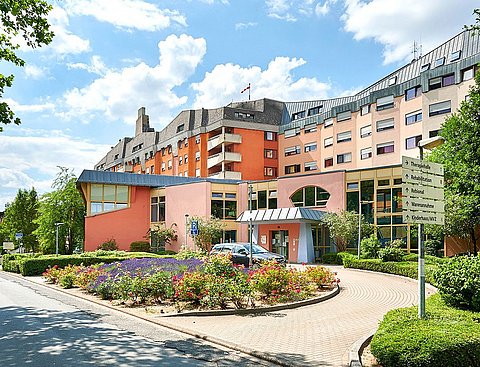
x=281, y=215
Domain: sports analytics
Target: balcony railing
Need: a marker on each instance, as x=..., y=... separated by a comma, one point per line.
x=227, y=175
x=223, y=138
x=223, y=157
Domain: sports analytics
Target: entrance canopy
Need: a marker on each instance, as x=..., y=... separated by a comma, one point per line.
x=281, y=215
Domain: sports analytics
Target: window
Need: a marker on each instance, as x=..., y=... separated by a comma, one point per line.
x=413, y=93
x=152, y=170
x=439, y=108
x=344, y=158
x=163, y=166
x=169, y=149
x=425, y=67
x=272, y=199
x=180, y=160
x=157, y=209
x=292, y=132
x=136, y=148
x=455, y=55
x=116, y=157
x=366, y=153
x=298, y=115
x=185, y=158
x=439, y=62
x=180, y=128
x=185, y=142
x=270, y=136
x=169, y=164
x=342, y=116
x=441, y=81
x=352, y=186
x=197, y=172
x=197, y=139
x=385, y=103
x=392, y=80
x=197, y=156
x=327, y=142
x=292, y=150
x=310, y=128
x=413, y=117
x=365, y=110
x=328, y=162
x=385, y=125
x=163, y=152
x=310, y=166
x=412, y=142
x=310, y=147
x=310, y=196
x=365, y=131
x=345, y=136
x=433, y=133
x=224, y=208
x=294, y=168
x=146, y=156
x=467, y=74
x=270, y=153
x=244, y=115
x=314, y=110
x=328, y=122
x=385, y=148
x=180, y=144
x=104, y=198
x=270, y=171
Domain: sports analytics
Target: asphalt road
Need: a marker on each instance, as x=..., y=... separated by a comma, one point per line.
x=40, y=327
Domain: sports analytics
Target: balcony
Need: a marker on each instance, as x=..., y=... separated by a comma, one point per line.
x=223, y=157
x=223, y=138
x=227, y=175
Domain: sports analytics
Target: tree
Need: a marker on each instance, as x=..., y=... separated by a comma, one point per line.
x=475, y=27
x=159, y=236
x=26, y=19
x=460, y=155
x=209, y=231
x=63, y=205
x=20, y=217
x=343, y=228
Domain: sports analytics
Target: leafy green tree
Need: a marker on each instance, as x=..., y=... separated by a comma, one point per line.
x=460, y=155
x=20, y=217
x=343, y=228
x=475, y=27
x=63, y=205
x=209, y=231
x=25, y=19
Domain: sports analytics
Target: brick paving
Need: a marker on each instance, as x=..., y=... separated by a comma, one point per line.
x=316, y=335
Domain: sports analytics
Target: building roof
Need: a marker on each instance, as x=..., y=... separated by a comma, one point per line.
x=281, y=215
x=132, y=179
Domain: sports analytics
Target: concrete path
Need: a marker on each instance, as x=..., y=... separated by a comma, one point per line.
x=317, y=335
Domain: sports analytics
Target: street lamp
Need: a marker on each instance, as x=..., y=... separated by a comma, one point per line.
x=56, y=236
x=427, y=144
x=186, y=229
x=360, y=202
x=250, y=226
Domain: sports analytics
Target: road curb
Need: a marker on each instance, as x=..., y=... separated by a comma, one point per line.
x=160, y=321
x=356, y=350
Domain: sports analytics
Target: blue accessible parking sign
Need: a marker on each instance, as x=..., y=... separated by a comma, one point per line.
x=194, y=228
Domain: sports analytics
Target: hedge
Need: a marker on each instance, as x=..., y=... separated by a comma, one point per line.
x=37, y=264
x=447, y=337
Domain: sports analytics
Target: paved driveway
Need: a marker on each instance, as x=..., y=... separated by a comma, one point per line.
x=317, y=335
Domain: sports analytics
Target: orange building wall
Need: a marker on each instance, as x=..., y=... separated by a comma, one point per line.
x=124, y=226
x=293, y=235
x=252, y=150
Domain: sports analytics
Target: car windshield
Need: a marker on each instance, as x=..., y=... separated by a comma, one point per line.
x=256, y=248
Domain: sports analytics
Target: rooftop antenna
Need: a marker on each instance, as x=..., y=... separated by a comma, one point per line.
x=417, y=50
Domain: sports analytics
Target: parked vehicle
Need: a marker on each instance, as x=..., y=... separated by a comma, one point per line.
x=241, y=253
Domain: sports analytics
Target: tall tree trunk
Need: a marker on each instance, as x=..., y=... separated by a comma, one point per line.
x=474, y=241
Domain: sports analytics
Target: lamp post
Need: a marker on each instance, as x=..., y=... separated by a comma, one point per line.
x=428, y=144
x=186, y=229
x=56, y=236
x=250, y=229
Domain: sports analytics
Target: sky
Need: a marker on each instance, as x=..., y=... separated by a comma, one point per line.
x=79, y=95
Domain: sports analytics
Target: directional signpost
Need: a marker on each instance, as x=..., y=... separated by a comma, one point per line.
x=422, y=203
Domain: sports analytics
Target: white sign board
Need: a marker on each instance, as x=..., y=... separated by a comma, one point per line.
x=420, y=178
x=424, y=192
x=426, y=205
x=415, y=164
x=8, y=246
x=423, y=217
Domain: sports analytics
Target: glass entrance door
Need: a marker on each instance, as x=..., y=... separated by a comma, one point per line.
x=280, y=243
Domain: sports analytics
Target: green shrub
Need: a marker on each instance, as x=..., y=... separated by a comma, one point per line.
x=191, y=286
x=410, y=257
x=459, y=282
x=219, y=265
x=432, y=247
x=392, y=252
x=369, y=247
x=140, y=246
x=447, y=337
x=320, y=276
x=109, y=245
x=332, y=258
x=190, y=254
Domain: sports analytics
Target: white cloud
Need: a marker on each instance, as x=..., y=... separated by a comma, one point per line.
x=64, y=41
x=32, y=108
x=96, y=66
x=240, y=26
x=324, y=9
x=276, y=82
x=397, y=24
x=34, y=72
x=127, y=14
x=116, y=92
x=226, y=2
x=42, y=152
x=290, y=10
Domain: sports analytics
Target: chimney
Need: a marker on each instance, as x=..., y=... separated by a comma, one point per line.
x=143, y=122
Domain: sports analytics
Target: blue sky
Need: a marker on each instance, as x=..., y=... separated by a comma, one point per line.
x=81, y=94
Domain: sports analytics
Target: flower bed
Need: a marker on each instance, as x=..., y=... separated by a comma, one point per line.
x=211, y=283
